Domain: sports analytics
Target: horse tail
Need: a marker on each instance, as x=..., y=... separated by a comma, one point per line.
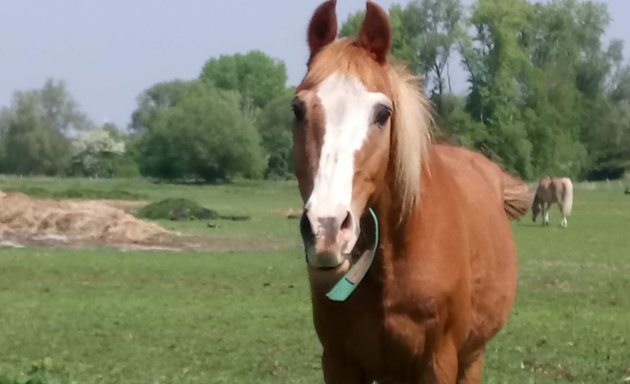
x=567, y=198
x=517, y=196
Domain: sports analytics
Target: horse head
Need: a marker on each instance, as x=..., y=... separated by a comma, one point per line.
x=356, y=132
x=536, y=208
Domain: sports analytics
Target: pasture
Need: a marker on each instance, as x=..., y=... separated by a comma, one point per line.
x=121, y=316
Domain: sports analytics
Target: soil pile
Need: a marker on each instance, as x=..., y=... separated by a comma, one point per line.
x=26, y=220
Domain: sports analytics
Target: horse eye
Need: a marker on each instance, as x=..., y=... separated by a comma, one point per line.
x=382, y=115
x=299, y=109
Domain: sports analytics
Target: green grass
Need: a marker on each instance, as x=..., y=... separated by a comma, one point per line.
x=77, y=192
x=108, y=316
x=159, y=317
x=571, y=321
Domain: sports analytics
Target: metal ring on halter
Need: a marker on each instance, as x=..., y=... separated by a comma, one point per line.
x=344, y=287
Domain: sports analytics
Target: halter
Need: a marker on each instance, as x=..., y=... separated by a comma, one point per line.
x=344, y=287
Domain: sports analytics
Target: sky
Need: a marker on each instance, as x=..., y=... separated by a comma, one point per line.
x=109, y=51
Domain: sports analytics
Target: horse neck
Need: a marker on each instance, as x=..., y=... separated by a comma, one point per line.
x=536, y=199
x=393, y=224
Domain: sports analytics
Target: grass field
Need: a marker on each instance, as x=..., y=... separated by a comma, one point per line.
x=109, y=316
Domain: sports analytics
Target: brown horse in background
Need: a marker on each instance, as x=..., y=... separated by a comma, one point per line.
x=553, y=190
x=443, y=277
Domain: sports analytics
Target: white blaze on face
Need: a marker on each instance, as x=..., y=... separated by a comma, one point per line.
x=348, y=107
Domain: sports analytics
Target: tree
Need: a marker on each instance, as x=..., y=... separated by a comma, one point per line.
x=425, y=34
x=352, y=25
x=274, y=125
x=546, y=95
x=609, y=141
x=203, y=134
x=498, y=61
x=401, y=45
x=60, y=110
x=620, y=85
x=256, y=76
x=158, y=98
x=35, y=130
x=6, y=117
x=554, y=104
x=577, y=72
x=608, y=138
x=435, y=29
x=458, y=126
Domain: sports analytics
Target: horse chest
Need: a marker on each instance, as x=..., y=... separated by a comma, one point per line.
x=409, y=328
x=388, y=343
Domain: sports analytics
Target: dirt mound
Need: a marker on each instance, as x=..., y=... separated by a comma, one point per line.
x=176, y=209
x=23, y=219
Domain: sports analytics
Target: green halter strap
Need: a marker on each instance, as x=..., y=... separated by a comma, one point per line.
x=344, y=287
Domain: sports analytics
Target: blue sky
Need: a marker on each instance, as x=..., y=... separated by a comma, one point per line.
x=109, y=51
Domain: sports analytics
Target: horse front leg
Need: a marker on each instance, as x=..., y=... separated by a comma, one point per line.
x=338, y=370
x=444, y=365
x=472, y=372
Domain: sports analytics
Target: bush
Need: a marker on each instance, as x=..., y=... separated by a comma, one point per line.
x=125, y=167
x=176, y=209
x=96, y=153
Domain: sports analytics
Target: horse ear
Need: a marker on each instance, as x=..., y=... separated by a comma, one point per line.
x=322, y=30
x=375, y=34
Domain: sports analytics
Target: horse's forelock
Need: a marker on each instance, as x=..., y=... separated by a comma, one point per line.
x=344, y=57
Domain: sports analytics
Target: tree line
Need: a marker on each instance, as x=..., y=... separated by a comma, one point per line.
x=545, y=94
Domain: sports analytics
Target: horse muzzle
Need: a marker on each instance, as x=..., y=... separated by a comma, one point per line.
x=328, y=238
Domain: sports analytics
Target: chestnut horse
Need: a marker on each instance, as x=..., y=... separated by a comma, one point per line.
x=553, y=190
x=419, y=231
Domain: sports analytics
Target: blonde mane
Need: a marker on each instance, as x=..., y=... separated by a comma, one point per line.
x=412, y=127
x=412, y=121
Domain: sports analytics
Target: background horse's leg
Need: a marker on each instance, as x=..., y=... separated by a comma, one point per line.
x=563, y=222
x=546, y=207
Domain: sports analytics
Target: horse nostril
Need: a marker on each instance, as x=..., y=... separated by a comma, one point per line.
x=346, y=224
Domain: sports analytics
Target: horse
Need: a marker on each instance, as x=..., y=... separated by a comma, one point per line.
x=408, y=243
x=553, y=190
